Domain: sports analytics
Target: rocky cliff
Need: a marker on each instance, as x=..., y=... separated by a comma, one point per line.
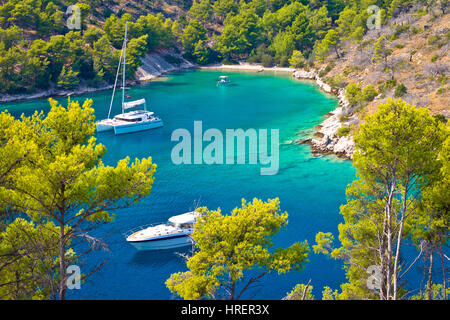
x=156, y=64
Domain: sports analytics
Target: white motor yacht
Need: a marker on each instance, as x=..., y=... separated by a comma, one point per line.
x=174, y=234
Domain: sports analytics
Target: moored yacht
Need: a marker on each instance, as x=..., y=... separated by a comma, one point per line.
x=223, y=80
x=173, y=234
x=132, y=121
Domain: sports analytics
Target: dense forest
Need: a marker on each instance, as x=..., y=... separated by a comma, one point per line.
x=39, y=51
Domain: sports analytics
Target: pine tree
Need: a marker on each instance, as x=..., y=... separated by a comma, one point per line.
x=68, y=79
x=380, y=51
x=396, y=160
x=297, y=59
x=229, y=246
x=51, y=171
x=331, y=41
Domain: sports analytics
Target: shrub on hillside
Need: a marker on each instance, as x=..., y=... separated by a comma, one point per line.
x=400, y=90
x=343, y=131
x=369, y=93
x=267, y=60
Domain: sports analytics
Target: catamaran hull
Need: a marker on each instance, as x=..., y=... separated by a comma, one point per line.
x=164, y=243
x=102, y=127
x=135, y=127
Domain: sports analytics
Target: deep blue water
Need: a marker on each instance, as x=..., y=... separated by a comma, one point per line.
x=310, y=189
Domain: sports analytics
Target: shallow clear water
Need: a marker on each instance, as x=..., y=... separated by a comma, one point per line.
x=310, y=189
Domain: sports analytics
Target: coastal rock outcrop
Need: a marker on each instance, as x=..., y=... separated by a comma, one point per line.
x=326, y=139
x=303, y=74
x=155, y=64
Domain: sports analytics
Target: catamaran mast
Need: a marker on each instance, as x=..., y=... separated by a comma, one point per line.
x=115, y=83
x=117, y=73
x=124, y=64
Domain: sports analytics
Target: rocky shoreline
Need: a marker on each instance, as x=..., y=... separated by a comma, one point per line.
x=325, y=140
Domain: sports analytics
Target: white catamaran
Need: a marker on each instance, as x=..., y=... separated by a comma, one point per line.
x=131, y=121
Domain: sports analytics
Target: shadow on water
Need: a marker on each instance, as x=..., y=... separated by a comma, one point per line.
x=159, y=257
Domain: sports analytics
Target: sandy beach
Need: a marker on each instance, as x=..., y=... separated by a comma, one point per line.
x=246, y=67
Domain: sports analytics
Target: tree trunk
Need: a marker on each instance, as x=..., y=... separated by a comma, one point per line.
x=389, y=256
x=382, y=291
x=444, y=281
x=399, y=240
x=232, y=289
x=430, y=274
x=397, y=258
x=337, y=52
x=62, y=261
x=389, y=237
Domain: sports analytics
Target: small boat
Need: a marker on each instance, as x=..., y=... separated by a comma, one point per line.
x=223, y=80
x=131, y=121
x=173, y=234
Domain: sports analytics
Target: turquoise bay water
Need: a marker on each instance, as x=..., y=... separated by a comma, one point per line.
x=310, y=189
